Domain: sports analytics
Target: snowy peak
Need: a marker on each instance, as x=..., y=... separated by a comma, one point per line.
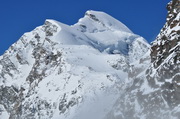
x=109, y=35
x=63, y=34
x=60, y=71
x=96, y=21
x=100, y=31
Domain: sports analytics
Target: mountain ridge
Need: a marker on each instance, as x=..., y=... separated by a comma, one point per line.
x=154, y=93
x=55, y=69
x=93, y=69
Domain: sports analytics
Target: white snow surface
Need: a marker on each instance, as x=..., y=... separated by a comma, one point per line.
x=107, y=34
x=3, y=113
x=96, y=21
x=95, y=54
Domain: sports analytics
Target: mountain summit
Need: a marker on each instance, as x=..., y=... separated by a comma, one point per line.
x=62, y=71
x=95, y=69
x=96, y=21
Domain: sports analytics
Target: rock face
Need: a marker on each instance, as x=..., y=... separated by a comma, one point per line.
x=169, y=37
x=155, y=93
x=165, y=56
x=68, y=72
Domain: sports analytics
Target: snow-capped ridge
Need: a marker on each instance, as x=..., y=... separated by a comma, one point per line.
x=96, y=21
x=58, y=69
x=98, y=30
x=52, y=21
x=95, y=69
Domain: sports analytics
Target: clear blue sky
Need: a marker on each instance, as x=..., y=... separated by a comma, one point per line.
x=143, y=17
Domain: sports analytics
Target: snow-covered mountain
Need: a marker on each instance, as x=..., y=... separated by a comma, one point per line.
x=154, y=93
x=95, y=69
x=58, y=71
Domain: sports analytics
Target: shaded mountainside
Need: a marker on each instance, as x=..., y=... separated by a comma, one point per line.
x=155, y=93
x=61, y=71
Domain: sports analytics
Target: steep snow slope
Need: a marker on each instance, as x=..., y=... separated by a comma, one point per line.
x=95, y=21
x=153, y=92
x=111, y=36
x=61, y=71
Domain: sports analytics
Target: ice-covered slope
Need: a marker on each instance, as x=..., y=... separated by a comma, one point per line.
x=110, y=35
x=61, y=71
x=95, y=21
x=153, y=92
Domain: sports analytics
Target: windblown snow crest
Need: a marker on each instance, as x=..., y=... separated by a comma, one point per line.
x=70, y=72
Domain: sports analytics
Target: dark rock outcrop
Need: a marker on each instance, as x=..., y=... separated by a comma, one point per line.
x=165, y=56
